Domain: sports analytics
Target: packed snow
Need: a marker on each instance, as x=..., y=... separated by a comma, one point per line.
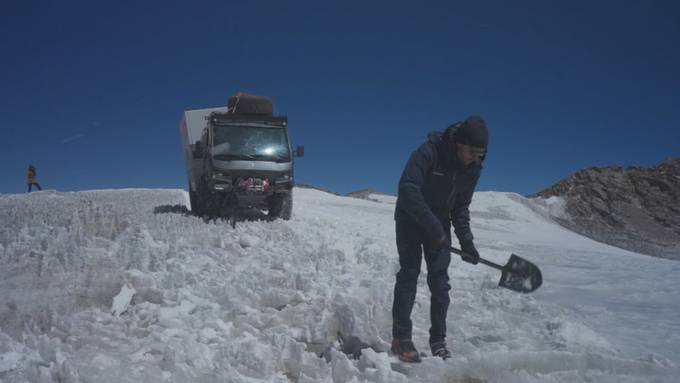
x=128, y=286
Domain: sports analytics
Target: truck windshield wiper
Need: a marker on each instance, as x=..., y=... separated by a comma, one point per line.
x=235, y=156
x=274, y=158
x=252, y=157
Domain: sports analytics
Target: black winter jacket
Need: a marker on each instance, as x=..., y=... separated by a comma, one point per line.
x=435, y=188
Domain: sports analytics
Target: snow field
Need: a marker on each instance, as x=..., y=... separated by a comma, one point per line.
x=100, y=286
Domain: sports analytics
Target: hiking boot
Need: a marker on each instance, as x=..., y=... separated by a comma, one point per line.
x=438, y=348
x=405, y=350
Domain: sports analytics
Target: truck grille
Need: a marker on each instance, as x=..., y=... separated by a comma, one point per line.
x=253, y=185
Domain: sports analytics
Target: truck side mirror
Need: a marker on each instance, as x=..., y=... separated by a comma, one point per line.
x=197, y=150
x=299, y=151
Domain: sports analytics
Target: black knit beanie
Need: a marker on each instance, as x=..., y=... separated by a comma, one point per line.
x=473, y=132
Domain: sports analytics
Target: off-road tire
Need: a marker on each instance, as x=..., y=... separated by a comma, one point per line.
x=281, y=206
x=193, y=199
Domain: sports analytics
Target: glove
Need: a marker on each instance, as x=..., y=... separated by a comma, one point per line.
x=470, y=253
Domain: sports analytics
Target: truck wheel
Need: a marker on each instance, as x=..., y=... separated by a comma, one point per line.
x=194, y=202
x=281, y=206
x=199, y=200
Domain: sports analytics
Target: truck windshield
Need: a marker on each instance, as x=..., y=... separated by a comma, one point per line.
x=236, y=142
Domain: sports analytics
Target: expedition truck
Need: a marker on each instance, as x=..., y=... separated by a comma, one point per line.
x=238, y=157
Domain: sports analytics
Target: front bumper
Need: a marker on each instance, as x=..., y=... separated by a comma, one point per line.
x=250, y=185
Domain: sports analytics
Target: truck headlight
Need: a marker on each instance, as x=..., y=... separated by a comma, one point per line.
x=221, y=176
x=284, y=182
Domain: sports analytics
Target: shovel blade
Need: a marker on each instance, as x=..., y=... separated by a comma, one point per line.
x=520, y=275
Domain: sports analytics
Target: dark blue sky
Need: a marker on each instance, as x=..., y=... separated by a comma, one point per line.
x=92, y=92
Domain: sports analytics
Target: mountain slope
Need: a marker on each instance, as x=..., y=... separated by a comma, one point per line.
x=634, y=208
x=261, y=302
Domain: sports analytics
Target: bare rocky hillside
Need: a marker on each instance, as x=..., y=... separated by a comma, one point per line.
x=635, y=208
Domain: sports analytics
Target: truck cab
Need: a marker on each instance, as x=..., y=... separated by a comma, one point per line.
x=237, y=160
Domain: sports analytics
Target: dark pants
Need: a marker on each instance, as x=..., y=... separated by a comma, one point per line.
x=30, y=186
x=411, y=241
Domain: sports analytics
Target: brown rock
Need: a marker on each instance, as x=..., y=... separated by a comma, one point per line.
x=635, y=208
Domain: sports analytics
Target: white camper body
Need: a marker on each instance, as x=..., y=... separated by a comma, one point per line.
x=191, y=127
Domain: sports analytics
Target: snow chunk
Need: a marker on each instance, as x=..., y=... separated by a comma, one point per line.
x=105, y=361
x=377, y=367
x=207, y=335
x=140, y=280
x=248, y=241
x=575, y=336
x=170, y=317
x=9, y=361
x=342, y=368
x=121, y=302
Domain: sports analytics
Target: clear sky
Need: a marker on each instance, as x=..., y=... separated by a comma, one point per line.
x=92, y=92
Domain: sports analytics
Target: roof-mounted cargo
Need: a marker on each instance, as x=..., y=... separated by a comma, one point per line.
x=250, y=104
x=220, y=118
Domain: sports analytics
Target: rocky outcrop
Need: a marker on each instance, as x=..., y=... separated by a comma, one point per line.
x=309, y=186
x=370, y=195
x=635, y=208
x=361, y=194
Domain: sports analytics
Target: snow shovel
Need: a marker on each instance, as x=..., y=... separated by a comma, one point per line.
x=518, y=274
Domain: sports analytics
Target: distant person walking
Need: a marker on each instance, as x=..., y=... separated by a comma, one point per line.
x=435, y=191
x=32, y=176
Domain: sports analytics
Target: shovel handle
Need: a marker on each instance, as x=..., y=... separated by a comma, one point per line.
x=482, y=260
